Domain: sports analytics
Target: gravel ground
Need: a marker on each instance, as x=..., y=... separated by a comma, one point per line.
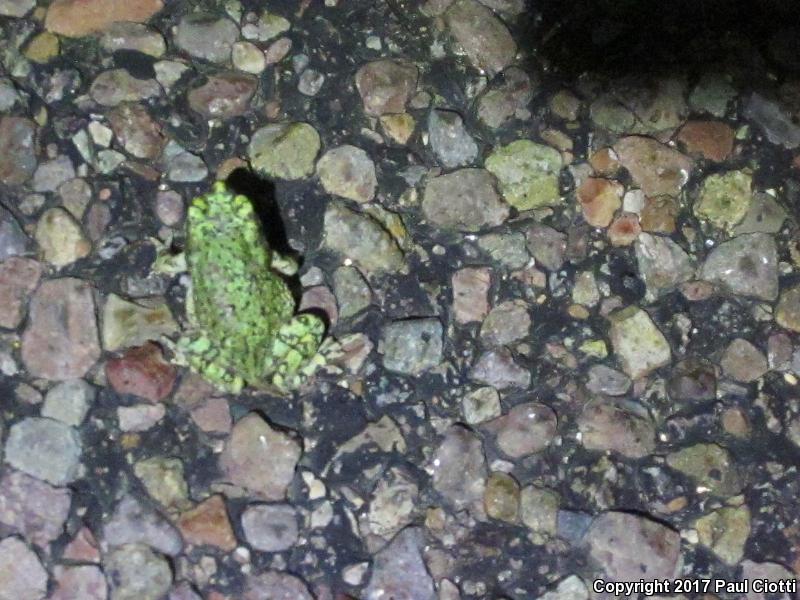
x=562, y=249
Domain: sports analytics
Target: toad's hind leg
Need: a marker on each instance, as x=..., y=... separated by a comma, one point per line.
x=294, y=350
x=195, y=351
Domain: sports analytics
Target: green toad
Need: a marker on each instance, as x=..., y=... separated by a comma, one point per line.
x=243, y=327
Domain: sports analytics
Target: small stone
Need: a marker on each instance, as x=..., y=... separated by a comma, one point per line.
x=61, y=239
x=725, y=198
x=223, y=96
x=78, y=18
x=526, y=429
x=270, y=527
x=611, y=426
x=130, y=324
x=508, y=248
x=505, y=97
x=183, y=166
x=692, y=380
x=22, y=576
x=113, y=87
x=538, y=509
x=599, y=199
x=349, y=172
x=747, y=265
x=624, y=230
x=710, y=465
x=412, y=346
x=170, y=208
x=86, y=582
x=137, y=131
x=528, y=173
x=385, y=86
x=712, y=94
x=135, y=572
x=51, y=174
x=787, y=313
x=605, y=380
x=69, y=401
x=458, y=468
x=277, y=50
x=134, y=523
x=17, y=150
x=142, y=371
x=711, y=140
x=248, y=57
x=765, y=571
x=498, y=369
x=765, y=215
x=268, y=26
x=658, y=215
x=482, y=404
x=164, y=481
x=501, y=497
x=656, y=168
x=547, y=245
x=206, y=37
x=398, y=570
x=725, y=532
x=359, y=237
x=399, y=127
x=449, y=139
x=42, y=48
x=133, y=36
x=465, y=200
x=76, y=194
x=484, y=38
x=507, y=322
x=353, y=293
x=32, y=508
x=638, y=343
x=628, y=546
x=18, y=278
x=16, y=8
x=82, y=547
x=776, y=123
x=743, y=362
x=310, y=82
x=259, y=458
x=274, y=585
x=55, y=347
x=45, y=449
x=663, y=265
x=207, y=524
x=284, y=150
x=212, y=415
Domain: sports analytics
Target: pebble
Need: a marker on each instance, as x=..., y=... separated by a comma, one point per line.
x=22, y=576
x=385, y=86
x=725, y=532
x=259, y=458
x=133, y=523
x=69, y=401
x=481, y=35
x=16, y=8
x=656, y=168
x=270, y=527
x=599, y=199
x=206, y=37
x=450, y=140
x=139, y=133
x=112, y=88
x=208, y=524
x=130, y=324
x=349, y=172
x=498, y=369
x=133, y=36
x=501, y=497
x=776, y=124
x=787, y=312
x=743, y=362
x=538, y=509
x=638, y=343
x=135, y=572
x=58, y=348
x=360, y=238
x=724, y=198
x=266, y=27
x=692, y=380
x=629, y=546
x=547, y=245
x=506, y=323
x=505, y=97
x=33, y=508
x=412, y=346
x=61, y=238
x=746, y=265
x=711, y=140
x=710, y=465
x=164, y=481
x=248, y=57
x=662, y=263
x=272, y=584
x=392, y=503
x=398, y=570
x=605, y=380
x=352, y=291
x=79, y=18
x=86, y=582
x=458, y=468
x=18, y=159
x=223, y=96
x=765, y=215
x=18, y=278
x=143, y=372
x=528, y=173
x=527, y=428
x=45, y=449
x=612, y=426
x=310, y=82
x=284, y=150
x=470, y=294
x=465, y=200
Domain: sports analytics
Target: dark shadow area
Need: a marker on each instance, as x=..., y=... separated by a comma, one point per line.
x=621, y=38
x=262, y=193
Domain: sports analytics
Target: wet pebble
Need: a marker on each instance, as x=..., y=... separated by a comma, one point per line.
x=605, y=380
x=528, y=173
x=68, y=401
x=22, y=576
x=449, y=139
x=526, y=429
x=284, y=150
x=506, y=323
x=746, y=265
x=135, y=572
x=18, y=278
x=133, y=523
x=273, y=584
x=638, y=343
x=725, y=532
x=86, y=582
x=498, y=369
x=743, y=362
x=483, y=37
x=223, y=96
x=386, y=85
x=724, y=198
x=127, y=35
x=412, y=346
x=270, y=527
x=610, y=426
x=130, y=324
x=711, y=465
x=208, y=524
x=656, y=168
x=61, y=238
x=137, y=131
x=466, y=200
x=458, y=468
x=73, y=18
x=143, y=372
x=32, y=507
x=203, y=36
x=360, y=238
x=398, y=570
x=501, y=497
x=113, y=87
x=348, y=171
x=45, y=449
